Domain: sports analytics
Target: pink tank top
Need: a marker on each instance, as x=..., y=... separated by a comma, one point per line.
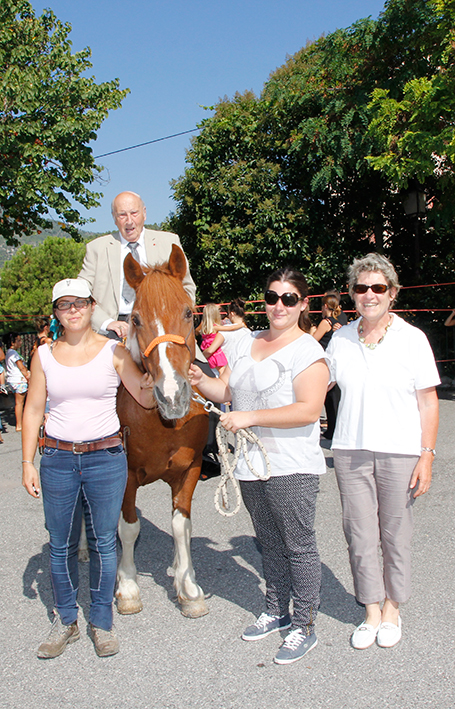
x=81, y=399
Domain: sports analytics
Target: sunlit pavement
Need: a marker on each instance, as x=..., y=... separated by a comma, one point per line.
x=170, y=662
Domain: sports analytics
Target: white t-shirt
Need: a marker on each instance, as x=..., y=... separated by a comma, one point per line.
x=268, y=385
x=13, y=373
x=231, y=337
x=378, y=409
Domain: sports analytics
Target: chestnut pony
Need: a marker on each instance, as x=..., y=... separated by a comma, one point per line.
x=166, y=442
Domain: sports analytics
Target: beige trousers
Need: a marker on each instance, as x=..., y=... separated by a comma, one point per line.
x=377, y=515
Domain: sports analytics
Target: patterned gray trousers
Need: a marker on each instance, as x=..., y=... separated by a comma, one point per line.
x=282, y=510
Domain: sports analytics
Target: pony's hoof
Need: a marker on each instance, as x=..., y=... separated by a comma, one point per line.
x=193, y=609
x=129, y=606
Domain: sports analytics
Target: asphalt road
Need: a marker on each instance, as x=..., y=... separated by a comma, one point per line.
x=171, y=662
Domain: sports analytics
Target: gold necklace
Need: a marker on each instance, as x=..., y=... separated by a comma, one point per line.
x=372, y=345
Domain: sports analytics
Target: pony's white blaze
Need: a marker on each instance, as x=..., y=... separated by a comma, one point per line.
x=170, y=384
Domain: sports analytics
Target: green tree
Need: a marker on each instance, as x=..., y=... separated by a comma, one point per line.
x=291, y=176
x=230, y=204
x=413, y=129
x=49, y=112
x=26, y=280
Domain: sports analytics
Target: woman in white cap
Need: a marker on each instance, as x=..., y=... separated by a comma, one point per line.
x=83, y=467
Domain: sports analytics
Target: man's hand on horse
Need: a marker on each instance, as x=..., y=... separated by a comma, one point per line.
x=120, y=327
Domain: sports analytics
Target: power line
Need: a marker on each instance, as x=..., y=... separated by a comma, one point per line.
x=149, y=142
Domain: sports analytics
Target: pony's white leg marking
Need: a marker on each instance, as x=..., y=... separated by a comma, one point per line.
x=128, y=595
x=190, y=594
x=170, y=383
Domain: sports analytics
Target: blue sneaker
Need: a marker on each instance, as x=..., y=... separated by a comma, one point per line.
x=295, y=646
x=265, y=625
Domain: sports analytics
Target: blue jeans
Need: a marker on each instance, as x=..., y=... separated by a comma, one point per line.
x=92, y=484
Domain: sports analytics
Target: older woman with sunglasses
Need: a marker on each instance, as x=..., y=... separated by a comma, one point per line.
x=83, y=468
x=383, y=445
x=276, y=380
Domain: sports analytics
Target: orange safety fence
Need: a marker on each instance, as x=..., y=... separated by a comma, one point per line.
x=199, y=308
x=10, y=319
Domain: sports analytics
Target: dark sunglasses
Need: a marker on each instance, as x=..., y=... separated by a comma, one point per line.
x=289, y=300
x=79, y=304
x=376, y=288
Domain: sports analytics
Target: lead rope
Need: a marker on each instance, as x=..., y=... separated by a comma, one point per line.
x=242, y=437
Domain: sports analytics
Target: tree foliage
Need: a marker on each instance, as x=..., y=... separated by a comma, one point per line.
x=414, y=129
x=27, y=279
x=49, y=111
x=305, y=173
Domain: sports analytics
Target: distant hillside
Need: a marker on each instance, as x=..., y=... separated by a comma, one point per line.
x=6, y=252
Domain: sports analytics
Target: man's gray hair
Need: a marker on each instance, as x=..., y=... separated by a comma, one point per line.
x=372, y=262
x=129, y=192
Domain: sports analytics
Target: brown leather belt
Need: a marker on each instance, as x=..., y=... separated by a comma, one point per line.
x=83, y=446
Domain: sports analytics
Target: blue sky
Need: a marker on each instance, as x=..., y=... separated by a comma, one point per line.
x=177, y=56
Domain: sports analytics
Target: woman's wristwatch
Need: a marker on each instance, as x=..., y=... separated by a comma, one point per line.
x=428, y=450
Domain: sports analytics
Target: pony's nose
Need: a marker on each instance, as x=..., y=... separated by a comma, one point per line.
x=177, y=406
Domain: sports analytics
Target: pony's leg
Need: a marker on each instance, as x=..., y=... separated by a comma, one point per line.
x=128, y=595
x=189, y=593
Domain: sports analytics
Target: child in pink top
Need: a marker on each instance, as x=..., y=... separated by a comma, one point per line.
x=210, y=316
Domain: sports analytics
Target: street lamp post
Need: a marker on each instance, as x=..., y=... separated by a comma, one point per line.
x=415, y=205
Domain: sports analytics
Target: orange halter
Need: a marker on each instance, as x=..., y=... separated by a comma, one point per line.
x=177, y=339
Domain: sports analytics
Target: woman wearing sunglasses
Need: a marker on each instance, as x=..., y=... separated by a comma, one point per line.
x=383, y=445
x=83, y=468
x=277, y=380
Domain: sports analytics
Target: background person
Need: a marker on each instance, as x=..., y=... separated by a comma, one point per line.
x=277, y=380
x=383, y=445
x=215, y=357
x=17, y=376
x=42, y=326
x=450, y=321
x=2, y=386
x=332, y=318
x=2, y=367
x=227, y=335
x=81, y=371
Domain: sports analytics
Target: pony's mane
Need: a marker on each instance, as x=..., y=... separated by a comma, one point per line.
x=161, y=283
x=157, y=268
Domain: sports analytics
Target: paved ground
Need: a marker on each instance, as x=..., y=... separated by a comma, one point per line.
x=168, y=661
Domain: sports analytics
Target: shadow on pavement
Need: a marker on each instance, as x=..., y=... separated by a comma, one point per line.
x=220, y=572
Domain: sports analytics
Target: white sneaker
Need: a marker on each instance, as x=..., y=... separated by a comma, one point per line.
x=389, y=634
x=364, y=636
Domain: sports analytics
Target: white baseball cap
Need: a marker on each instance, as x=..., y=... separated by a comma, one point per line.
x=76, y=287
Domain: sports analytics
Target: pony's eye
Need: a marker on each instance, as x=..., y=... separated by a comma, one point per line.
x=135, y=320
x=188, y=313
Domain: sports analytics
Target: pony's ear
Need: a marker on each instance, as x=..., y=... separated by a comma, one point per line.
x=133, y=272
x=177, y=262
